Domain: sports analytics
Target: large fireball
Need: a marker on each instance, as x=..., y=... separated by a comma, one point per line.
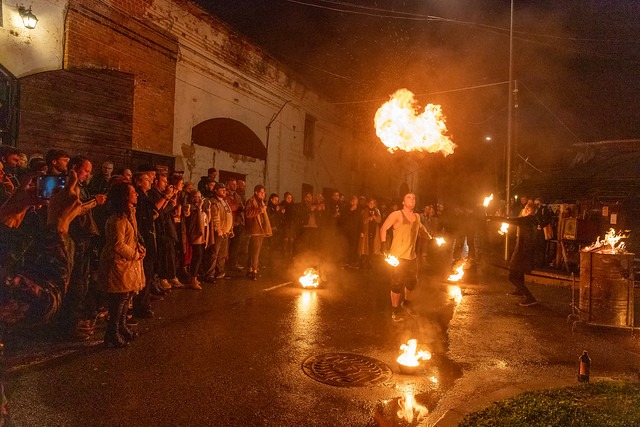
x=400, y=126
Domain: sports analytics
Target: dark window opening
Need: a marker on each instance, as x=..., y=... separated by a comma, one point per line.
x=9, y=99
x=309, y=135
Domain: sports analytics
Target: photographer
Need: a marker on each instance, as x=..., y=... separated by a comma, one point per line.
x=31, y=292
x=164, y=197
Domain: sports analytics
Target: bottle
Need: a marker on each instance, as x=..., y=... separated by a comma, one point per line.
x=584, y=367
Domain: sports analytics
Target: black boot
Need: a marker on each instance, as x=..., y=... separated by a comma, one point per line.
x=112, y=337
x=123, y=328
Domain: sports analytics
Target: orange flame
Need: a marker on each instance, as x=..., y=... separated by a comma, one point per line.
x=392, y=261
x=504, y=229
x=487, y=200
x=408, y=408
x=400, y=128
x=440, y=241
x=310, y=278
x=610, y=243
x=409, y=356
x=455, y=293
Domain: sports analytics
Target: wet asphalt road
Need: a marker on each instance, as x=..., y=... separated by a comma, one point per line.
x=232, y=355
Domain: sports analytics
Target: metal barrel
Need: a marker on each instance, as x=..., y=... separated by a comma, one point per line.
x=606, y=288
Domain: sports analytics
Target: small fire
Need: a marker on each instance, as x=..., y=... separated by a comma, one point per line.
x=310, y=278
x=455, y=293
x=487, y=200
x=409, y=357
x=392, y=261
x=440, y=241
x=459, y=271
x=610, y=243
x=504, y=228
x=400, y=128
x=408, y=408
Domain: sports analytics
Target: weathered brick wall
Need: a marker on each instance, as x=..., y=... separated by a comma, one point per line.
x=114, y=35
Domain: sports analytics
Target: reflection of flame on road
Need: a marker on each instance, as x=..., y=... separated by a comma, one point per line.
x=455, y=293
x=410, y=355
x=400, y=128
x=440, y=241
x=310, y=278
x=610, y=243
x=392, y=261
x=487, y=200
x=409, y=408
x=504, y=228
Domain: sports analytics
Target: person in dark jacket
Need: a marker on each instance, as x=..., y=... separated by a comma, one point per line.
x=522, y=257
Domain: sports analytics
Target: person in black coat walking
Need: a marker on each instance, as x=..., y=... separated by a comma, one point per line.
x=521, y=261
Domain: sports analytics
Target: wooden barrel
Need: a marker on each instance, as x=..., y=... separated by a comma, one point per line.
x=606, y=289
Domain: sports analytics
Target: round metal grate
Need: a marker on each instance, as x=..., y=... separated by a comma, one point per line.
x=346, y=370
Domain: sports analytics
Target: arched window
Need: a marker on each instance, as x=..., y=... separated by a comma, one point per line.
x=229, y=135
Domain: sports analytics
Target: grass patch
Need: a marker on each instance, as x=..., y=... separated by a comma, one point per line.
x=604, y=403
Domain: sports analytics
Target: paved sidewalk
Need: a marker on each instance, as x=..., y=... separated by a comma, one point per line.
x=505, y=349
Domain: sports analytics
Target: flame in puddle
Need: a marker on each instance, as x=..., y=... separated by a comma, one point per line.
x=487, y=200
x=409, y=408
x=410, y=355
x=440, y=241
x=399, y=127
x=392, y=261
x=504, y=228
x=310, y=278
x=455, y=293
x=610, y=243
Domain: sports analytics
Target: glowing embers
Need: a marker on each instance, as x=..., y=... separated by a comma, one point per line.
x=409, y=360
x=310, y=278
x=610, y=244
x=400, y=127
x=392, y=261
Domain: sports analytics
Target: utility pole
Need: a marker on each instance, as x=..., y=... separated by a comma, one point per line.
x=509, y=132
x=266, y=157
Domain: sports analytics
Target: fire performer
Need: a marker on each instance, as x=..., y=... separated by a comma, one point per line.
x=521, y=261
x=406, y=229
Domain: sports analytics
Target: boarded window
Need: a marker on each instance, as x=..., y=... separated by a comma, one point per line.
x=309, y=135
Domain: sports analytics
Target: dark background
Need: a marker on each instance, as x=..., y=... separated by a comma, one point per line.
x=576, y=64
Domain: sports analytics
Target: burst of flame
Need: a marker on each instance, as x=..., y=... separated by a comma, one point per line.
x=487, y=200
x=459, y=272
x=455, y=293
x=408, y=408
x=392, y=261
x=310, y=278
x=610, y=243
x=409, y=356
x=440, y=241
x=399, y=127
x=504, y=228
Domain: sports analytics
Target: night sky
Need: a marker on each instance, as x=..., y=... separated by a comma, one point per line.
x=576, y=62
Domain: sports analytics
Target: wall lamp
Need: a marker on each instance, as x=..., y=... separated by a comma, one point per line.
x=28, y=18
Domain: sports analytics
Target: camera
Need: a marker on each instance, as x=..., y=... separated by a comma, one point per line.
x=48, y=184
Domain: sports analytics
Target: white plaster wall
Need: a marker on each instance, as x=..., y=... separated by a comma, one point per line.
x=24, y=52
x=210, y=84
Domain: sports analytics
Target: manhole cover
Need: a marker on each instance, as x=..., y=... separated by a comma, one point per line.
x=346, y=370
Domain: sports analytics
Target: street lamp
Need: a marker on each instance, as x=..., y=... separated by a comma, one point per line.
x=28, y=18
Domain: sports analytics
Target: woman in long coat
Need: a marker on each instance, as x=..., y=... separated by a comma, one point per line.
x=370, y=219
x=121, y=268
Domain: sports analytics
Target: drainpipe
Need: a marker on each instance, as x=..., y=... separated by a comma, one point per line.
x=266, y=158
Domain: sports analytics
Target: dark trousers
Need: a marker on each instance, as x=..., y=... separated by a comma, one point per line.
x=196, y=259
x=255, y=244
x=517, y=279
x=166, y=258
x=215, y=256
